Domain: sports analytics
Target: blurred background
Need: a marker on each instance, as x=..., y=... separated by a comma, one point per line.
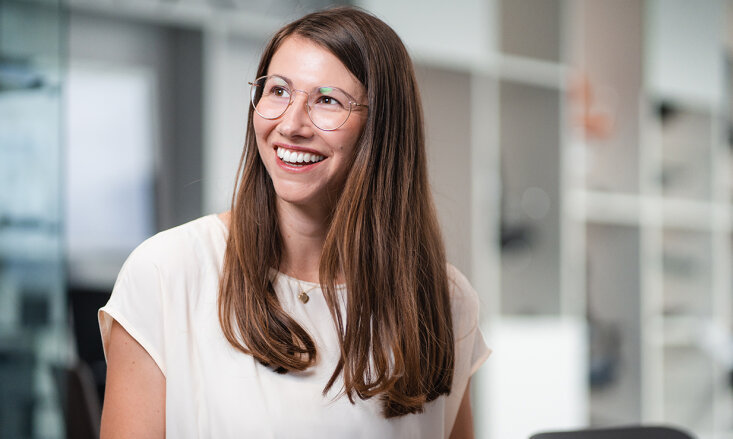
x=580, y=160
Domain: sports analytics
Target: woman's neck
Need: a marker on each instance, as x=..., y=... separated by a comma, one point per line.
x=303, y=232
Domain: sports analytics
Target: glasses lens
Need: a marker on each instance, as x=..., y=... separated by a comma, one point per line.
x=270, y=96
x=329, y=107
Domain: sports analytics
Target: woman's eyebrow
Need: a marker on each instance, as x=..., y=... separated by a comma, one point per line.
x=288, y=80
x=323, y=85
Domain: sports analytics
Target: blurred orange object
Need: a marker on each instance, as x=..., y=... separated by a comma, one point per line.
x=595, y=122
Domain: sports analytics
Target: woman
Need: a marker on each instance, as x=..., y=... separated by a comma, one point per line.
x=321, y=304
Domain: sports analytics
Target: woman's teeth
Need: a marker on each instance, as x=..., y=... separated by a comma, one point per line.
x=295, y=157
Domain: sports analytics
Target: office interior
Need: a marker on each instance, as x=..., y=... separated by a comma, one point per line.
x=580, y=159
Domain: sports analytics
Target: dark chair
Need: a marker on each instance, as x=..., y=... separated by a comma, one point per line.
x=79, y=401
x=84, y=303
x=631, y=432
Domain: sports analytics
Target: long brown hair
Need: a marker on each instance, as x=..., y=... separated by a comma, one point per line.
x=396, y=339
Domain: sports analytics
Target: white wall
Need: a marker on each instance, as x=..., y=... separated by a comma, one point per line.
x=446, y=98
x=113, y=124
x=455, y=33
x=230, y=62
x=684, y=44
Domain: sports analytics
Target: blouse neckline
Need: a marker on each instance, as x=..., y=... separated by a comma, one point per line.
x=277, y=273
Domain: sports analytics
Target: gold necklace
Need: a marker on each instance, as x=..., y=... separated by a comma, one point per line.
x=303, y=295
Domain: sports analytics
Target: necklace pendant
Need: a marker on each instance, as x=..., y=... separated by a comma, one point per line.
x=303, y=296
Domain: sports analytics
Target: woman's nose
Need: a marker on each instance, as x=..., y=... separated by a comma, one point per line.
x=295, y=121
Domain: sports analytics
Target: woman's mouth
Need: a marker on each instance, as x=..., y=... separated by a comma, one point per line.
x=297, y=159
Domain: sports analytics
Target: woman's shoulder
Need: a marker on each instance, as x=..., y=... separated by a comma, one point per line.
x=460, y=287
x=465, y=301
x=181, y=246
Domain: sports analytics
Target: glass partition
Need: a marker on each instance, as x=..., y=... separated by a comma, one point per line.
x=33, y=336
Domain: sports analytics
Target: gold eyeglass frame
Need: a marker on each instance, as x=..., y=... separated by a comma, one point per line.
x=253, y=84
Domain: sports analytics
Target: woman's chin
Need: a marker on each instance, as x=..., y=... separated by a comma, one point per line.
x=299, y=199
x=307, y=200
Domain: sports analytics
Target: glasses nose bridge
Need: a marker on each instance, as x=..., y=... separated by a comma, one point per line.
x=293, y=94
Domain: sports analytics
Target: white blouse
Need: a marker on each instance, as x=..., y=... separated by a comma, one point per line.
x=166, y=298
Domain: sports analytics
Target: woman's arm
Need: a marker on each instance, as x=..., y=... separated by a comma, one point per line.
x=134, y=397
x=463, y=427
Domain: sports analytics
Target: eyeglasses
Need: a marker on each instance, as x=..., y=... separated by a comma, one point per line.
x=328, y=107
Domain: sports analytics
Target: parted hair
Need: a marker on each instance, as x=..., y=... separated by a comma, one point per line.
x=396, y=337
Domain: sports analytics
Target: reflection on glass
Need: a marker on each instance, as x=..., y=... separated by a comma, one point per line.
x=686, y=136
x=687, y=262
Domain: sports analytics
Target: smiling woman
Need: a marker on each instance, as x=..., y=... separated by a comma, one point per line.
x=301, y=120
x=337, y=313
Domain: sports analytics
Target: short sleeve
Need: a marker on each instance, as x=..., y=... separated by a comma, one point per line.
x=469, y=340
x=137, y=305
x=470, y=348
x=480, y=351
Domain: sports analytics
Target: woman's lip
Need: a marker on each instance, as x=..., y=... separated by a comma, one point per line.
x=298, y=148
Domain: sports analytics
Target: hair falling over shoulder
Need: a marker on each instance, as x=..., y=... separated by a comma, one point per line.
x=384, y=239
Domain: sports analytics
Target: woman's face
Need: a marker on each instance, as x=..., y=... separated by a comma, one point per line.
x=308, y=66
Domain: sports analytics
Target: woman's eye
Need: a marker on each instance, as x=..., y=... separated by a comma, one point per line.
x=280, y=92
x=328, y=100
